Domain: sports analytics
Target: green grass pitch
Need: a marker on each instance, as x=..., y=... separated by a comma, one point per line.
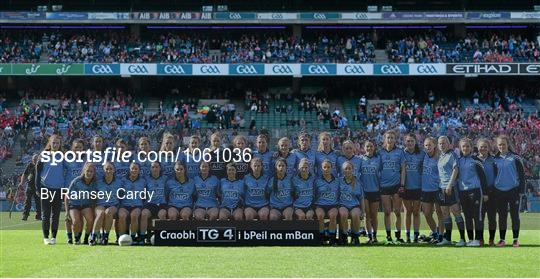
x=22, y=254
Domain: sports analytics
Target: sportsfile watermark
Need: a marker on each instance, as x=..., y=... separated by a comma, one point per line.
x=114, y=155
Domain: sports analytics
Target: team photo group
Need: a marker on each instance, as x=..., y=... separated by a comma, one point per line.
x=462, y=181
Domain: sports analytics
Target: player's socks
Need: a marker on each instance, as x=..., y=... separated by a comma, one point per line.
x=470, y=234
x=70, y=236
x=397, y=233
x=448, y=228
x=370, y=236
x=408, y=234
x=491, y=234
x=479, y=235
x=332, y=236
x=142, y=238
x=515, y=234
x=461, y=226
x=78, y=238
x=388, y=233
x=86, y=236
x=416, y=235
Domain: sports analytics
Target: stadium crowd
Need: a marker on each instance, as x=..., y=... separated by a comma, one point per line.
x=434, y=47
x=119, y=47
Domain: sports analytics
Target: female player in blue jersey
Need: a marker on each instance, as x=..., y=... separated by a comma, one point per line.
x=325, y=151
x=106, y=210
x=180, y=190
x=262, y=151
x=98, y=145
x=52, y=178
x=447, y=198
x=256, y=192
x=142, y=157
x=122, y=168
x=489, y=208
x=370, y=175
x=167, y=154
x=157, y=207
x=284, y=146
x=132, y=206
x=350, y=204
x=509, y=186
x=206, y=191
x=81, y=208
x=430, y=189
x=304, y=151
x=280, y=188
x=231, y=192
x=414, y=158
x=347, y=155
x=303, y=189
x=240, y=144
x=472, y=187
x=190, y=162
x=326, y=201
x=392, y=179
x=73, y=170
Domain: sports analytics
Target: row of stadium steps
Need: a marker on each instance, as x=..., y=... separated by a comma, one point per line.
x=152, y=106
x=275, y=120
x=530, y=106
x=381, y=56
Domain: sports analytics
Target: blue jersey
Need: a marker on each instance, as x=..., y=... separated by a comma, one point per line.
x=303, y=191
x=167, y=167
x=292, y=162
x=469, y=176
x=489, y=169
x=430, y=174
x=179, y=194
x=157, y=187
x=391, y=171
x=509, y=172
x=331, y=156
x=350, y=195
x=191, y=164
x=99, y=166
x=256, y=191
x=206, y=191
x=267, y=160
x=309, y=154
x=326, y=192
x=138, y=185
x=73, y=170
x=144, y=165
x=370, y=169
x=281, y=196
x=112, y=188
x=52, y=176
x=446, y=165
x=79, y=189
x=413, y=167
x=122, y=169
x=356, y=161
x=232, y=193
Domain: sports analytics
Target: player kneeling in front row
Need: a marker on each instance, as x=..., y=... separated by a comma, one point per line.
x=106, y=209
x=256, y=200
x=350, y=202
x=156, y=207
x=326, y=201
x=131, y=207
x=303, y=191
x=206, y=191
x=180, y=189
x=280, y=187
x=231, y=191
x=80, y=207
